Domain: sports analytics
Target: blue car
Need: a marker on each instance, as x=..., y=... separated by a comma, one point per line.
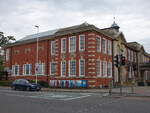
x=25, y=85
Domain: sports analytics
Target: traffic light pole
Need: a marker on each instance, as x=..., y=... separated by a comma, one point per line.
x=120, y=79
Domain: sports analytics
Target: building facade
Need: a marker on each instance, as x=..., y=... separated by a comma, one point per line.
x=71, y=57
x=77, y=56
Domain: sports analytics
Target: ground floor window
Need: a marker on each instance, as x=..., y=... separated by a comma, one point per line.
x=104, y=68
x=63, y=68
x=53, y=68
x=15, y=69
x=81, y=67
x=109, y=69
x=98, y=68
x=72, y=68
x=40, y=69
x=27, y=69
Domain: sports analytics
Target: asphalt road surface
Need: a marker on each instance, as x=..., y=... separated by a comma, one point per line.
x=65, y=102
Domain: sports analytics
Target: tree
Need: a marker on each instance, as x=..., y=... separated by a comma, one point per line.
x=4, y=40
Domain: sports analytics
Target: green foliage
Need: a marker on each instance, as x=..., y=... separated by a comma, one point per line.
x=4, y=40
x=1, y=66
x=43, y=83
x=5, y=83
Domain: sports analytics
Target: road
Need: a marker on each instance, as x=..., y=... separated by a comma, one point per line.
x=65, y=102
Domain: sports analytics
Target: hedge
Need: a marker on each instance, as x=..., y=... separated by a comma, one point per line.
x=5, y=83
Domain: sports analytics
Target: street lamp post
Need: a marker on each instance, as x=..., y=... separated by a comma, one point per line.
x=37, y=53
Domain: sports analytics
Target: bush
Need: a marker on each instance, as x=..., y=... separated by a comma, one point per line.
x=5, y=83
x=43, y=83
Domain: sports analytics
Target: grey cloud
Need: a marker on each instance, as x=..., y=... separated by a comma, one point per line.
x=18, y=17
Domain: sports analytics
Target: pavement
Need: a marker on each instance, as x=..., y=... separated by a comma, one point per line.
x=126, y=91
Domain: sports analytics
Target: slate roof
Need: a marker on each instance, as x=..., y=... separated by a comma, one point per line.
x=58, y=32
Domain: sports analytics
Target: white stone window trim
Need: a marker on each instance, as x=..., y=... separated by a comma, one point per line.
x=104, y=75
x=70, y=42
x=24, y=69
x=109, y=43
x=63, y=45
x=105, y=45
x=100, y=44
x=110, y=69
x=61, y=69
x=80, y=43
x=43, y=69
x=80, y=68
x=69, y=68
x=52, y=42
x=13, y=70
x=100, y=69
x=51, y=68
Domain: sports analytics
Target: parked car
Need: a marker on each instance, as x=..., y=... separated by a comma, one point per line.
x=23, y=84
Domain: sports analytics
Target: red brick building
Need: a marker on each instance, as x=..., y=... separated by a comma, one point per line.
x=76, y=56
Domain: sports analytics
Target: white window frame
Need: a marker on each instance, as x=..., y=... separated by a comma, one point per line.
x=7, y=55
x=13, y=70
x=70, y=70
x=104, y=68
x=63, y=75
x=53, y=49
x=81, y=36
x=98, y=74
x=63, y=50
x=42, y=69
x=24, y=69
x=109, y=45
x=51, y=68
x=98, y=50
x=109, y=64
x=80, y=68
x=74, y=50
x=105, y=45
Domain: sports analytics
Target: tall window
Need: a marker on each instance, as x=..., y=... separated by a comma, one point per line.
x=81, y=42
x=72, y=44
x=128, y=54
x=63, y=45
x=53, y=68
x=72, y=68
x=27, y=69
x=98, y=44
x=109, y=47
x=109, y=69
x=63, y=68
x=103, y=46
x=7, y=54
x=81, y=67
x=52, y=47
x=104, y=68
x=41, y=69
x=15, y=69
x=98, y=68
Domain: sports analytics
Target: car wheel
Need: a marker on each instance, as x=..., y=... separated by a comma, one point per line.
x=28, y=89
x=13, y=88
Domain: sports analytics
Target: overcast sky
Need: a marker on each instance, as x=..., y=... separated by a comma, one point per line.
x=18, y=17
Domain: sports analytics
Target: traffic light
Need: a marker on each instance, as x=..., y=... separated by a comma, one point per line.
x=116, y=60
x=123, y=60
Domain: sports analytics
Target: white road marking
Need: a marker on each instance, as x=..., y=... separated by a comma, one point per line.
x=76, y=97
